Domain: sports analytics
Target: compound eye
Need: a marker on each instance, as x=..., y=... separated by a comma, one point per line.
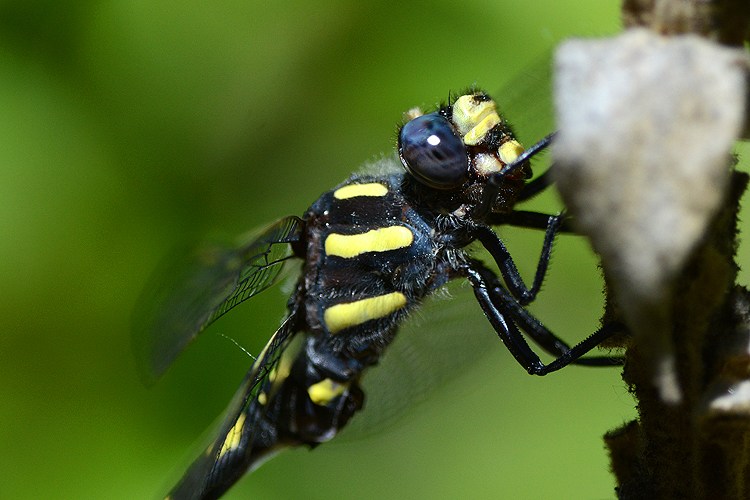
x=431, y=151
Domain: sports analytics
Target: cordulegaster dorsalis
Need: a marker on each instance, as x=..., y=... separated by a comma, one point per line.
x=372, y=248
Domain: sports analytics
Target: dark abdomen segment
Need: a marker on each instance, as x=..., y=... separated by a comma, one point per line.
x=367, y=261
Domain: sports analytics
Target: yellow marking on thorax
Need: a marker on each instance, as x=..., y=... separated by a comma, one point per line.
x=474, y=119
x=325, y=390
x=349, y=314
x=377, y=240
x=234, y=436
x=354, y=190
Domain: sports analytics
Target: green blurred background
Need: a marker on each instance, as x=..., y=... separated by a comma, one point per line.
x=128, y=127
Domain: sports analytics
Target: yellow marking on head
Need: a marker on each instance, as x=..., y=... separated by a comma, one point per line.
x=234, y=436
x=349, y=314
x=486, y=164
x=377, y=240
x=354, y=190
x=475, y=135
x=474, y=118
x=262, y=398
x=509, y=151
x=325, y=390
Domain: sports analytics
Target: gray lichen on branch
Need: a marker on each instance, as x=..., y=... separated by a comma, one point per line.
x=643, y=162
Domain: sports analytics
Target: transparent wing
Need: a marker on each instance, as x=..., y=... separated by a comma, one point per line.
x=194, y=290
x=439, y=344
x=229, y=453
x=526, y=102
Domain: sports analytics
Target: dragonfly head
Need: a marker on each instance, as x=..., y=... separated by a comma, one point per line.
x=460, y=147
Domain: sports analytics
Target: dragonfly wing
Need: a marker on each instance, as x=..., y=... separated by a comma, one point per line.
x=230, y=452
x=193, y=291
x=438, y=345
x=526, y=100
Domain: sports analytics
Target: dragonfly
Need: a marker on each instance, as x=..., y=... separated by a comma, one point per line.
x=372, y=249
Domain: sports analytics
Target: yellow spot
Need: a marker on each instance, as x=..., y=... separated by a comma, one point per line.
x=509, y=151
x=234, y=436
x=377, y=240
x=349, y=314
x=354, y=190
x=474, y=118
x=281, y=371
x=486, y=164
x=262, y=398
x=325, y=390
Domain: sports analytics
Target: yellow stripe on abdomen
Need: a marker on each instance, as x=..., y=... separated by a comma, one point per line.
x=377, y=240
x=354, y=190
x=232, y=441
x=324, y=391
x=349, y=314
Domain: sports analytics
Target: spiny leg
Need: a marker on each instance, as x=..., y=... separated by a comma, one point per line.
x=506, y=315
x=530, y=220
x=508, y=268
x=535, y=186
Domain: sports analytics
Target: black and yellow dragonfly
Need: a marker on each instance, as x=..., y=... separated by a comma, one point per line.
x=371, y=250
